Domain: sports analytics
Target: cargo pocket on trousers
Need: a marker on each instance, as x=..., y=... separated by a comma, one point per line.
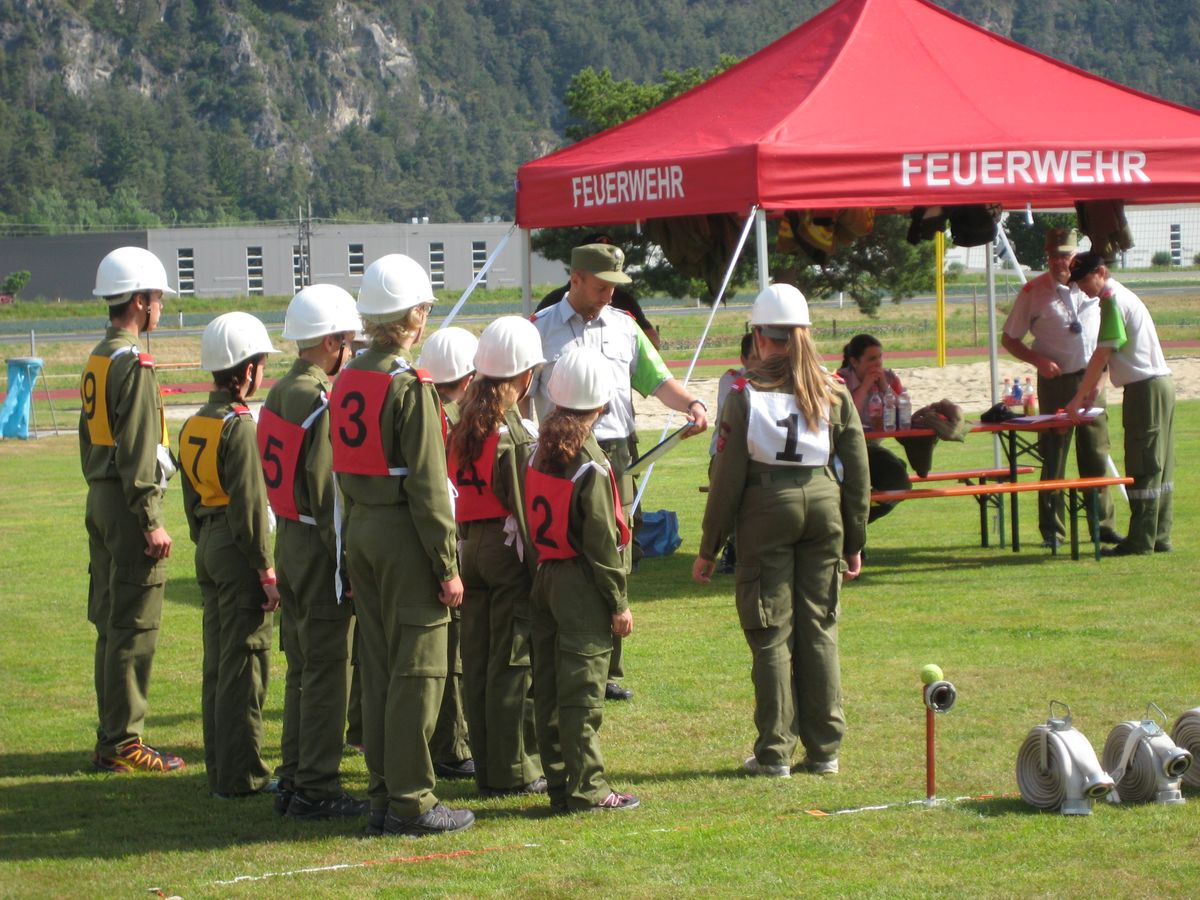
x=749, y=599
x=583, y=668
x=522, y=644
x=138, y=596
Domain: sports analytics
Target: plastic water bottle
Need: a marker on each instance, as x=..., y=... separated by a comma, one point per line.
x=904, y=410
x=1029, y=395
x=889, y=410
x=1006, y=397
x=1016, y=392
x=875, y=411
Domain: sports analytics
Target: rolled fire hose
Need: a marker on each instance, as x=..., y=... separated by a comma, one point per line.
x=1041, y=785
x=1186, y=734
x=1057, y=767
x=1138, y=783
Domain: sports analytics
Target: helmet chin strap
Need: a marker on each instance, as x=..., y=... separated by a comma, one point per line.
x=341, y=357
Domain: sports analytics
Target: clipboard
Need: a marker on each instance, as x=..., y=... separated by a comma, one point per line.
x=657, y=452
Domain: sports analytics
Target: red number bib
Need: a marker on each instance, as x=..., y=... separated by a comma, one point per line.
x=355, y=410
x=476, y=498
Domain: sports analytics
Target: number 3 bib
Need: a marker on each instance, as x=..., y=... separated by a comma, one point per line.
x=777, y=433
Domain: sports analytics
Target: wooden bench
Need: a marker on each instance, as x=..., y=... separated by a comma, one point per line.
x=990, y=493
x=971, y=476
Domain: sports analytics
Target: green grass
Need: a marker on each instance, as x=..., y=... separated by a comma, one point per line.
x=1012, y=630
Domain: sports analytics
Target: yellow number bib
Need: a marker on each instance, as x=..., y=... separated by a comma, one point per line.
x=198, y=442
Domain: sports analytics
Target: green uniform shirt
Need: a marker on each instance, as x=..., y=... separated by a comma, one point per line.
x=512, y=456
x=133, y=405
x=295, y=397
x=240, y=472
x=411, y=429
x=732, y=468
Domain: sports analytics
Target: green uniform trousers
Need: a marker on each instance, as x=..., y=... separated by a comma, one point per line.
x=315, y=634
x=354, y=726
x=789, y=565
x=402, y=665
x=1148, y=414
x=1091, y=454
x=572, y=641
x=449, y=744
x=620, y=457
x=125, y=598
x=237, y=643
x=495, y=654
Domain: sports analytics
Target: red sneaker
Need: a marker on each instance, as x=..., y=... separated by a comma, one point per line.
x=615, y=800
x=141, y=757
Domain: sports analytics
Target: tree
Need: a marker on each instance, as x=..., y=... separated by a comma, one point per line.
x=14, y=282
x=1029, y=239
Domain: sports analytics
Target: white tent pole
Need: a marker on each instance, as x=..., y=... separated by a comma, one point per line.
x=993, y=354
x=527, y=271
x=1011, y=253
x=479, y=276
x=760, y=239
x=737, y=254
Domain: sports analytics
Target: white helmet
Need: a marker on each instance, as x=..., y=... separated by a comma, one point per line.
x=393, y=284
x=780, y=304
x=129, y=269
x=582, y=379
x=232, y=338
x=319, y=310
x=448, y=355
x=509, y=346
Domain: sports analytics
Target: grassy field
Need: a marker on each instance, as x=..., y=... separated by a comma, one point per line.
x=1011, y=630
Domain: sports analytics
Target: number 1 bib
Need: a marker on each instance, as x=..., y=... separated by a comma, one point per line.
x=777, y=433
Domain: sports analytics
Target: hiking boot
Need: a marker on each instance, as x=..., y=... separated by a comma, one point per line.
x=537, y=786
x=439, y=820
x=754, y=767
x=1122, y=549
x=462, y=769
x=375, y=820
x=304, y=807
x=138, y=757
x=812, y=767
x=1110, y=536
x=615, y=800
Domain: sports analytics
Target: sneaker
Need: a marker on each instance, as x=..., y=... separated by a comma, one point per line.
x=812, y=767
x=615, y=800
x=462, y=769
x=537, y=786
x=1123, y=549
x=140, y=757
x=1110, y=536
x=439, y=820
x=304, y=807
x=754, y=767
x=613, y=691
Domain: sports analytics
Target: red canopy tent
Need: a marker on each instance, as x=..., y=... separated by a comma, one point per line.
x=879, y=103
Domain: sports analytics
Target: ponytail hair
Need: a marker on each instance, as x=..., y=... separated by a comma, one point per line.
x=481, y=413
x=235, y=378
x=800, y=372
x=560, y=437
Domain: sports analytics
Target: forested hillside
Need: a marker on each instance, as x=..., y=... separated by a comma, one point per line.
x=124, y=112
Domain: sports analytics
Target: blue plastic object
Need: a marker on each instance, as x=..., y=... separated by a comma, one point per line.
x=14, y=416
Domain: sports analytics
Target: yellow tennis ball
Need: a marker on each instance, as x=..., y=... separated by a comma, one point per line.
x=931, y=673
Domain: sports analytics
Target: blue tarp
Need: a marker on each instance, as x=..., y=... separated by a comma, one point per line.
x=14, y=416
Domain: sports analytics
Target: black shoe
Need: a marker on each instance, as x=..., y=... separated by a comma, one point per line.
x=462, y=769
x=537, y=786
x=439, y=820
x=1052, y=543
x=1122, y=550
x=613, y=691
x=283, y=798
x=375, y=820
x=1110, y=536
x=303, y=807
x=1162, y=547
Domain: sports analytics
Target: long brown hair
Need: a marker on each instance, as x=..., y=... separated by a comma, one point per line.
x=482, y=411
x=559, y=438
x=799, y=371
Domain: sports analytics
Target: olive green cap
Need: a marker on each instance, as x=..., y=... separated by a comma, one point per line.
x=602, y=260
x=1061, y=240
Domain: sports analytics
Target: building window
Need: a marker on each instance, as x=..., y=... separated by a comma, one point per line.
x=1177, y=245
x=478, y=257
x=437, y=265
x=254, y=270
x=299, y=268
x=185, y=270
x=356, y=259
